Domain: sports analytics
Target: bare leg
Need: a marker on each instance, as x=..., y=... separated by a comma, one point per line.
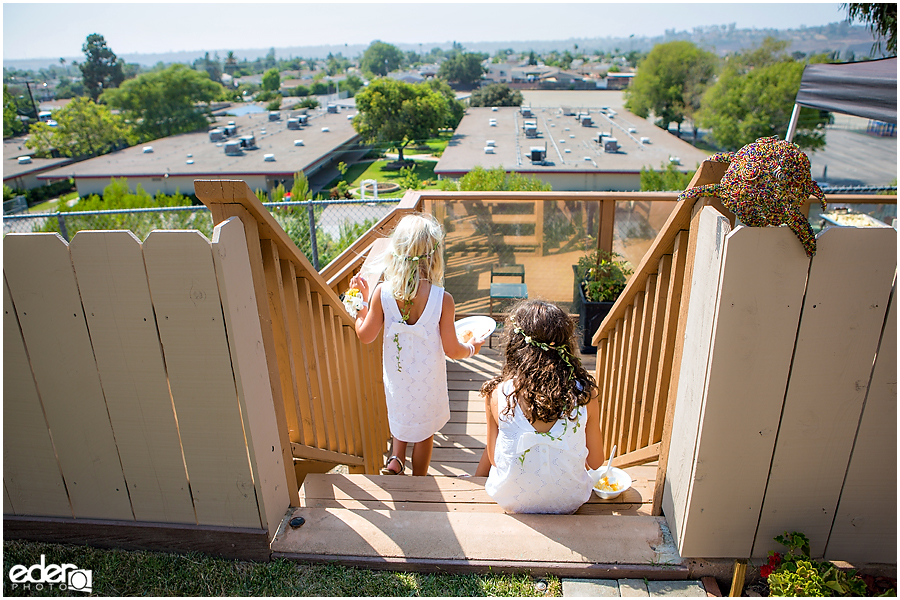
x=484, y=465
x=421, y=456
x=398, y=449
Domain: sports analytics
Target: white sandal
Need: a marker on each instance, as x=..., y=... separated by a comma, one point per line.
x=387, y=471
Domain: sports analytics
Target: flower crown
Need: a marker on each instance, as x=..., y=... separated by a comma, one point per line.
x=562, y=350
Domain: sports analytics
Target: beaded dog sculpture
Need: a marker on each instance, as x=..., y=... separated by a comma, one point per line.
x=766, y=183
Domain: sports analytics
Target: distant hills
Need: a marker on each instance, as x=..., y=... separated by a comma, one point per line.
x=850, y=40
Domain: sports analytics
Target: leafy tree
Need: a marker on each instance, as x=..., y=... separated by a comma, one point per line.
x=69, y=89
x=101, y=70
x=396, y=113
x=464, y=68
x=309, y=103
x=163, y=103
x=84, y=128
x=496, y=94
x=41, y=139
x=457, y=109
x=747, y=104
x=669, y=179
x=381, y=58
x=497, y=179
x=881, y=18
x=352, y=84
x=672, y=76
x=532, y=59
x=11, y=123
x=211, y=66
x=271, y=80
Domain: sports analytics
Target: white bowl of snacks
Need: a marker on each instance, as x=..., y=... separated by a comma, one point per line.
x=612, y=483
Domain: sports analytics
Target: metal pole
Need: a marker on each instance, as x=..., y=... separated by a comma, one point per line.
x=62, y=226
x=33, y=105
x=792, y=126
x=312, y=236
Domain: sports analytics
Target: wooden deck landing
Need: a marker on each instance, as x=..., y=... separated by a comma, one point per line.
x=448, y=523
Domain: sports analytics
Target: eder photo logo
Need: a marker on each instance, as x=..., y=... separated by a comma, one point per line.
x=61, y=577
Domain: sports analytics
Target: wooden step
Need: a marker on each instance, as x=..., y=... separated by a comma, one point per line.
x=451, y=494
x=566, y=545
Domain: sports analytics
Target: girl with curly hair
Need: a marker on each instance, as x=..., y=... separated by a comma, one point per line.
x=542, y=415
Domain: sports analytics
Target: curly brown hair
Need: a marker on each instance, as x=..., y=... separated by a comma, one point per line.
x=548, y=387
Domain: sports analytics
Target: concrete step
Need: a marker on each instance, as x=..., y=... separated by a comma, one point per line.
x=633, y=588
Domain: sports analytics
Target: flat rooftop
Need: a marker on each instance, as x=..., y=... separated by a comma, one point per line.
x=194, y=155
x=570, y=146
x=13, y=148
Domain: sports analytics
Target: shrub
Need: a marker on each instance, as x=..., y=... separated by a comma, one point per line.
x=795, y=574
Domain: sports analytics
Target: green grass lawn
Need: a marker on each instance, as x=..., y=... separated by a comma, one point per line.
x=127, y=573
x=359, y=172
x=50, y=205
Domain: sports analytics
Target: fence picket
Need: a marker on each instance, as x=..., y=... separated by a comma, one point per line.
x=44, y=291
x=115, y=294
x=846, y=300
x=192, y=331
x=31, y=477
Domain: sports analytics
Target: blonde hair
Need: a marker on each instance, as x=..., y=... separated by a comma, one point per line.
x=416, y=252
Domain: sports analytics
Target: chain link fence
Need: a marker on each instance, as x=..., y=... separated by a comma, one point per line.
x=322, y=229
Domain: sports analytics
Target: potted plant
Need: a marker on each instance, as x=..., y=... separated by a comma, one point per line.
x=600, y=277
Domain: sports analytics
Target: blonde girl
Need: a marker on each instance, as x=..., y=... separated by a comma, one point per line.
x=416, y=315
x=542, y=416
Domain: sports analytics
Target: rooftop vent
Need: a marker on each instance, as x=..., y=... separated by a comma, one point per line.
x=537, y=154
x=332, y=108
x=494, y=108
x=568, y=151
x=275, y=116
x=298, y=142
x=293, y=123
x=490, y=143
x=350, y=117
x=216, y=134
x=611, y=144
x=488, y=149
x=231, y=123
x=526, y=112
x=632, y=130
x=189, y=161
x=325, y=129
x=24, y=160
x=675, y=160
x=246, y=141
x=269, y=157
x=147, y=149
x=571, y=135
x=645, y=140
x=303, y=119
x=586, y=121
x=234, y=148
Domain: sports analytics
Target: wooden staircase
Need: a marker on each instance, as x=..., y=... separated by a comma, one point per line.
x=444, y=522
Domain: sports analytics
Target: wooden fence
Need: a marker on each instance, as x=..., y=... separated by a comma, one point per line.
x=136, y=402
x=786, y=409
x=746, y=370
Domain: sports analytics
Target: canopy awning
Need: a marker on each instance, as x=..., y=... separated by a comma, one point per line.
x=864, y=89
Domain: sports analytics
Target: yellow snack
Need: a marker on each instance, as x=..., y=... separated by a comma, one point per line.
x=466, y=336
x=605, y=486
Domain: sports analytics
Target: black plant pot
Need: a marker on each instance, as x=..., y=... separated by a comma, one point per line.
x=590, y=315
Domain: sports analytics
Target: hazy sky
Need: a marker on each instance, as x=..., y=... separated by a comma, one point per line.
x=42, y=30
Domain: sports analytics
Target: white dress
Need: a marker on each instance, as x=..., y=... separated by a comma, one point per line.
x=415, y=378
x=539, y=472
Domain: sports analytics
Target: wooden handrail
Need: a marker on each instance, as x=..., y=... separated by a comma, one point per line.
x=327, y=391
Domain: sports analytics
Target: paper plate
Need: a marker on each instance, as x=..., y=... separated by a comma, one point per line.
x=480, y=326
